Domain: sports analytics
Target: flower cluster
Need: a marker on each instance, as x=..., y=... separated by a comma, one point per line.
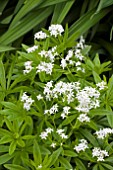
x=27, y=101
x=56, y=30
x=61, y=89
x=60, y=132
x=100, y=154
x=40, y=35
x=50, y=54
x=82, y=146
x=46, y=67
x=102, y=85
x=88, y=98
x=28, y=67
x=103, y=133
x=45, y=134
x=52, y=110
x=83, y=118
x=65, y=112
x=73, y=58
x=32, y=49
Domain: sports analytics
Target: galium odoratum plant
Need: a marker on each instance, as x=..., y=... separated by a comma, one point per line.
x=66, y=114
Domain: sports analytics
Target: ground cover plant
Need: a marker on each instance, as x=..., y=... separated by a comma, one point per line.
x=56, y=106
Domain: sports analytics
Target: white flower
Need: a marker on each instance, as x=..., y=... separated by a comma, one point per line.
x=56, y=30
x=100, y=154
x=40, y=166
x=78, y=63
x=43, y=66
x=81, y=43
x=27, y=101
x=69, y=55
x=63, y=136
x=39, y=97
x=65, y=111
x=49, y=130
x=53, y=109
x=32, y=49
x=27, y=106
x=50, y=54
x=88, y=99
x=63, y=63
x=83, y=118
x=102, y=133
x=63, y=115
x=102, y=85
x=82, y=146
x=40, y=35
x=24, y=97
x=60, y=131
x=53, y=145
x=28, y=67
x=44, y=135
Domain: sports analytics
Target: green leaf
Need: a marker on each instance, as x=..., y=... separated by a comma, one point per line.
x=27, y=7
x=101, y=167
x=97, y=61
x=107, y=166
x=6, y=48
x=89, y=136
x=37, y=153
x=96, y=77
x=6, y=139
x=95, y=167
x=61, y=9
x=70, y=153
x=60, y=168
x=68, y=120
x=10, y=105
x=12, y=147
x=84, y=23
x=55, y=156
x=27, y=23
x=80, y=165
x=2, y=76
x=14, y=167
x=100, y=112
x=64, y=162
x=4, y=158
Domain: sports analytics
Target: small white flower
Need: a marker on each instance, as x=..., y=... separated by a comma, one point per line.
x=100, y=154
x=102, y=85
x=63, y=63
x=39, y=97
x=44, y=135
x=32, y=49
x=63, y=136
x=69, y=55
x=82, y=146
x=53, y=145
x=28, y=67
x=49, y=130
x=56, y=30
x=27, y=101
x=102, y=133
x=43, y=66
x=24, y=97
x=78, y=63
x=60, y=131
x=40, y=166
x=83, y=118
x=53, y=109
x=63, y=115
x=40, y=35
